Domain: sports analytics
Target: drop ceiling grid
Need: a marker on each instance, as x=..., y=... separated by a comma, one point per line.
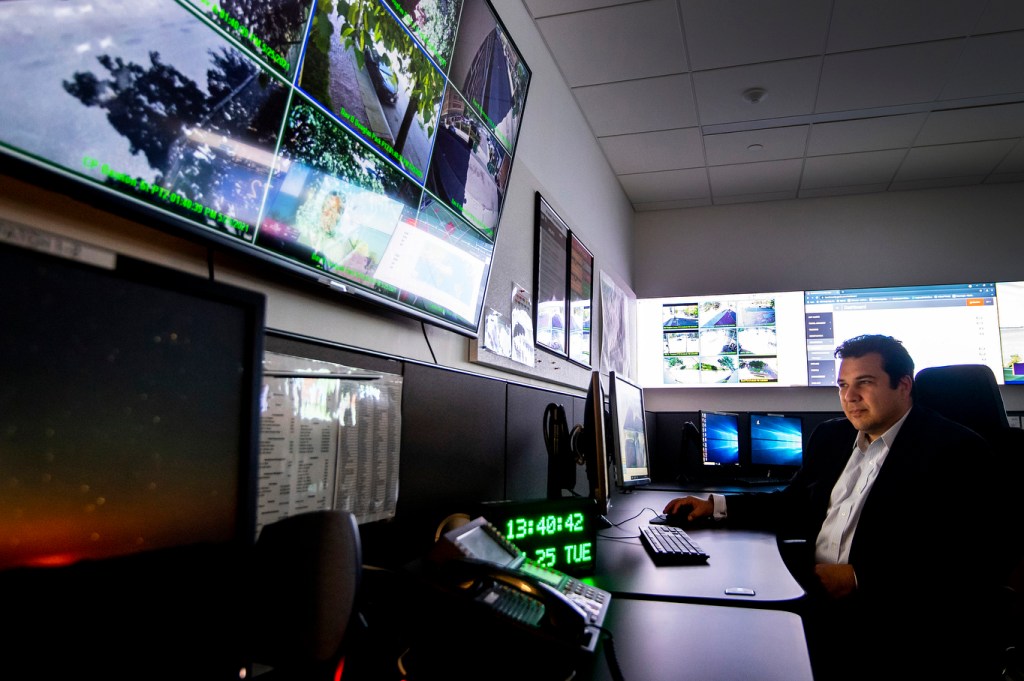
x=851, y=86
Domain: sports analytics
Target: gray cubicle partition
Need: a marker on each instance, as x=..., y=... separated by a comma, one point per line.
x=465, y=439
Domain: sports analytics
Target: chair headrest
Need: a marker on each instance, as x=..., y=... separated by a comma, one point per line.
x=965, y=393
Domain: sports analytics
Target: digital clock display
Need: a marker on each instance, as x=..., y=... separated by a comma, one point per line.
x=557, y=533
x=522, y=527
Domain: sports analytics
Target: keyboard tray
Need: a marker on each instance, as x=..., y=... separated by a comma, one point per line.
x=668, y=545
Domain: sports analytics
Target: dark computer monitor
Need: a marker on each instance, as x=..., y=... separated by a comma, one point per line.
x=129, y=433
x=776, y=440
x=629, y=453
x=720, y=438
x=591, y=442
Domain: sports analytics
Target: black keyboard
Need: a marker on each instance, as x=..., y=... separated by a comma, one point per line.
x=668, y=545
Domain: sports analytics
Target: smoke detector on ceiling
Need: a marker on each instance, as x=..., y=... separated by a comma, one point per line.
x=755, y=94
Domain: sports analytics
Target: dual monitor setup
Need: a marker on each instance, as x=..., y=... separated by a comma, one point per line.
x=614, y=441
x=772, y=446
x=616, y=435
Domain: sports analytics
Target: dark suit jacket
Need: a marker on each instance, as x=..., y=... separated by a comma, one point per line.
x=911, y=582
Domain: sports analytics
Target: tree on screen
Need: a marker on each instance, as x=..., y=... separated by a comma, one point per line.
x=316, y=141
x=148, y=105
x=436, y=24
x=280, y=23
x=155, y=108
x=368, y=23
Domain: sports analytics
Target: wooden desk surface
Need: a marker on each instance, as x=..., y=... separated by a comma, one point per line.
x=738, y=558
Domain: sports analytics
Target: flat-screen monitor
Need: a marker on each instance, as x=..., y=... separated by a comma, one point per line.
x=1011, y=331
x=776, y=440
x=754, y=339
x=591, y=441
x=789, y=339
x=630, y=457
x=720, y=438
x=128, y=441
x=939, y=325
x=365, y=150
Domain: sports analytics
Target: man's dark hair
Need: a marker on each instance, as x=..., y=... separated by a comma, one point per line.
x=896, y=361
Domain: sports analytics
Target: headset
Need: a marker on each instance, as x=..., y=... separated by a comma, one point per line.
x=561, y=460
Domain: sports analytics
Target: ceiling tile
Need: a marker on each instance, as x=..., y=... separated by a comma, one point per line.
x=860, y=24
x=937, y=182
x=789, y=85
x=755, y=178
x=670, y=205
x=1001, y=15
x=990, y=64
x=545, y=8
x=747, y=31
x=670, y=185
x=1003, y=178
x=886, y=76
x=756, y=198
x=953, y=160
x=1014, y=161
x=650, y=151
x=806, y=193
x=602, y=45
x=859, y=95
x=976, y=123
x=771, y=144
x=864, y=134
x=638, y=105
x=870, y=167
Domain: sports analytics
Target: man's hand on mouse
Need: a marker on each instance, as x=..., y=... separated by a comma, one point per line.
x=698, y=508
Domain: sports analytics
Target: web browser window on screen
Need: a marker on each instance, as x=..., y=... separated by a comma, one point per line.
x=939, y=325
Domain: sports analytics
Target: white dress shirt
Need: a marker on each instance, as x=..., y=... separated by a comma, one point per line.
x=849, y=493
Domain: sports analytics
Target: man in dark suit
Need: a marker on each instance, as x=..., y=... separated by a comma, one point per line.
x=881, y=527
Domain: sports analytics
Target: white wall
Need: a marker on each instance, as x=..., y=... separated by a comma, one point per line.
x=898, y=238
x=556, y=156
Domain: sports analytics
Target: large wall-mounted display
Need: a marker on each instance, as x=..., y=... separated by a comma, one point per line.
x=788, y=339
x=366, y=145
x=749, y=339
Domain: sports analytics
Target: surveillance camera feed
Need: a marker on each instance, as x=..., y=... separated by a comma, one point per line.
x=721, y=340
x=789, y=339
x=366, y=145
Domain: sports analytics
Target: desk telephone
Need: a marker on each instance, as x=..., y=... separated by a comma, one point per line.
x=493, y=589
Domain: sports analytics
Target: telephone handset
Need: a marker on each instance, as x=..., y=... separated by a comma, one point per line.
x=525, y=601
x=476, y=561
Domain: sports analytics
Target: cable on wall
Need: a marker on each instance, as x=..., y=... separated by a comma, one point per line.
x=426, y=338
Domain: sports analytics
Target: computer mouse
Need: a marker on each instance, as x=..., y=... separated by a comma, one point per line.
x=677, y=518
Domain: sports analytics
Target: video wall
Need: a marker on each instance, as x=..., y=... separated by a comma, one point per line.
x=788, y=338
x=364, y=144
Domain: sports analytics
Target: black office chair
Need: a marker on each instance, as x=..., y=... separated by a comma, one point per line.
x=307, y=572
x=969, y=395
x=965, y=393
